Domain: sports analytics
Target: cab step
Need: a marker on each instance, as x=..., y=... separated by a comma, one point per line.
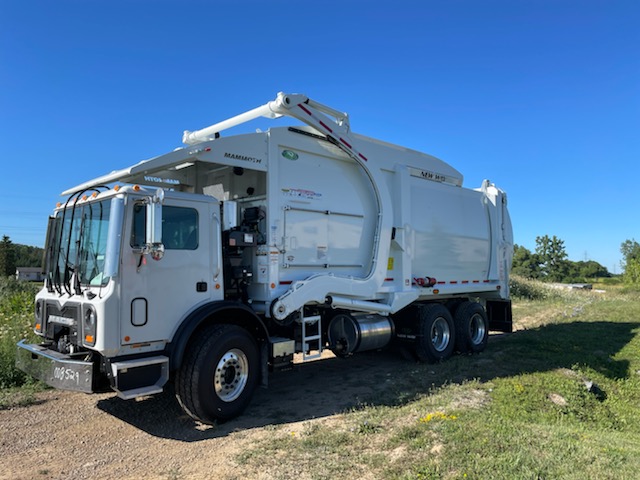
x=139, y=377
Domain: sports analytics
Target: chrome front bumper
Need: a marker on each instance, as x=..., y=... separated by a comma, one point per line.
x=54, y=368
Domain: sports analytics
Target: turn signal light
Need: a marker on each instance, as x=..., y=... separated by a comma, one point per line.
x=89, y=338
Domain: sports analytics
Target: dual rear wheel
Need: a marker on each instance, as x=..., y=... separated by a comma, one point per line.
x=440, y=332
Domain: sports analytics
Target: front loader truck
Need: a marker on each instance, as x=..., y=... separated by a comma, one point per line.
x=214, y=264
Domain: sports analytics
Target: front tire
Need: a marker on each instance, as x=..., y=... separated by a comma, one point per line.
x=436, y=339
x=219, y=374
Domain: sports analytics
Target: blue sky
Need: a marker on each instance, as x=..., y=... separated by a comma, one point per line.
x=541, y=97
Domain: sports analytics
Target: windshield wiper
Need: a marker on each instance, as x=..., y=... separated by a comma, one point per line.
x=77, y=269
x=59, y=281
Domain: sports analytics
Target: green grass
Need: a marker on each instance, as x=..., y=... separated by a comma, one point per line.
x=519, y=410
x=16, y=322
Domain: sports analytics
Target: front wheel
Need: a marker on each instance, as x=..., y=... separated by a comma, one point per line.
x=219, y=374
x=436, y=339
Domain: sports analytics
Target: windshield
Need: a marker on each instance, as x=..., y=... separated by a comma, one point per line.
x=77, y=244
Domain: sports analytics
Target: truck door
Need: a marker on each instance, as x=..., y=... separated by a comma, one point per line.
x=156, y=295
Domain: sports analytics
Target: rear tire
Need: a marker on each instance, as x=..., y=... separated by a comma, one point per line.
x=472, y=328
x=436, y=339
x=219, y=374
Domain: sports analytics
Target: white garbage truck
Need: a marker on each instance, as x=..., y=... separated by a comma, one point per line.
x=214, y=264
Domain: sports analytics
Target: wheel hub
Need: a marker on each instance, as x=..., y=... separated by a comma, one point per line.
x=477, y=329
x=231, y=375
x=440, y=334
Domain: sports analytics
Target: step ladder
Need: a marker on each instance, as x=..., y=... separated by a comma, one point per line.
x=311, y=334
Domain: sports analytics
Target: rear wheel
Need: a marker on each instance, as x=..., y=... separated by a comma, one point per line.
x=436, y=337
x=219, y=373
x=472, y=328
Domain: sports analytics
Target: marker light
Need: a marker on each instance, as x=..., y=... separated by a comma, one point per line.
x=39, y=317
x=89, y=324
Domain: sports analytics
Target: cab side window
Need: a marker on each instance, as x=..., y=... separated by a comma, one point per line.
x=179, y=227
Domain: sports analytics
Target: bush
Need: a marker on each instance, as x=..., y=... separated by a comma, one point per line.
x=523, y=289
x=16, y=323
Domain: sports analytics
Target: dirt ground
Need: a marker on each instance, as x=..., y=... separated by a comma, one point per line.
x=70, y=436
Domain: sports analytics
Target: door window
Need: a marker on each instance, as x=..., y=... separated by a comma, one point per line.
x=179, y=227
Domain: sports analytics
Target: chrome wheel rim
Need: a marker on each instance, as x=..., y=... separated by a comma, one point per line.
x=231, y=375
x=477, y=329
x=440, y=334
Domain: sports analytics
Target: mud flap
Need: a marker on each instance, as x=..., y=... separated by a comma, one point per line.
x=499, y=314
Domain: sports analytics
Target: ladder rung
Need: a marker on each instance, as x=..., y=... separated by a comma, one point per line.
x=312, y=323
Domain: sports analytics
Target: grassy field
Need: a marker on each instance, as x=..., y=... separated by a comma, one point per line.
x=16, y=322
x=558, y=398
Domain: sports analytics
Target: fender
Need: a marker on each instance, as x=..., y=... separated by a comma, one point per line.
x=225, y=311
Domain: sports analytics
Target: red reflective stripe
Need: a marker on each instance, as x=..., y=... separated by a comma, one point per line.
x=454, y=282
x=442, y=283
x=465, y=281
x=363, y=157
x=486, y=281
x=342, y=140
x=286, y=282
x=304, y=109
x=476, y=281
x=388, y=279
x=323, y=124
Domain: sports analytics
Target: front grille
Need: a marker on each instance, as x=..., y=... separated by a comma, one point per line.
x=62, y=321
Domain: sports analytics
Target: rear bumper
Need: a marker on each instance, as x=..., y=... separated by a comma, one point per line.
x=54, y=368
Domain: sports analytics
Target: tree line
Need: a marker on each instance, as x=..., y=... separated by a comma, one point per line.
x=13, y=255
x=549, y=262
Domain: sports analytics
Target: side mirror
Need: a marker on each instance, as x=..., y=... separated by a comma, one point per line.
x=154, y=226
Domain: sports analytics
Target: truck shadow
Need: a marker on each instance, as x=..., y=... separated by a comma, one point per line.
x=335, y=385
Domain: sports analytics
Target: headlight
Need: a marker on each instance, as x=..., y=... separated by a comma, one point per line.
x=39, y=317
x=89, y=322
